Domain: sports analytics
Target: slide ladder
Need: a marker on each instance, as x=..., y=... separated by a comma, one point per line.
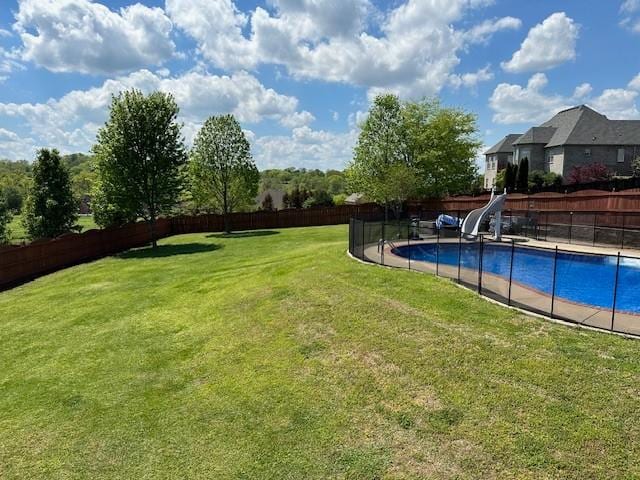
x=474, y=219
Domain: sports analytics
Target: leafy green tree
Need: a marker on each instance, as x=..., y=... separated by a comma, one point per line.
x=5, y=220
x=522, y=179
x=321, y=198
x=339, y=199
x=635, y=167
x=50, y=209
x=139, y=158
x=223, y=174
x=443, y=144
x=382, y=151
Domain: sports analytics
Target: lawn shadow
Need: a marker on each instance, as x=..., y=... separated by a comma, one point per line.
x=170, y=250
x=251, y=233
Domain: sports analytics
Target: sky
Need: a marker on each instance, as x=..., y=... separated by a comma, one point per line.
x=300, y=74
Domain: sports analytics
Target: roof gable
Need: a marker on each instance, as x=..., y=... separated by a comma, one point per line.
x=505, y=145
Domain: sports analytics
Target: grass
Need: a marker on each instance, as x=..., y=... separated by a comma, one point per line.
x=19, y=235
x=277, y=356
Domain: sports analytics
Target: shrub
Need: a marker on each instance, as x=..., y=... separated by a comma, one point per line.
x=594, y=172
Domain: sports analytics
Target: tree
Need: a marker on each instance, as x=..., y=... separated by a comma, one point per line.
x=522, y=178
x=50, y=209
x=510, y=175
x=382, y=151
x=5, y=220
x=139, y=158
x=321, y=198
x=267, y=203
x=501, y=179
x=443, y=144
x=223, y=174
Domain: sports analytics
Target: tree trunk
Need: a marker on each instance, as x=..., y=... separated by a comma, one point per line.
x=152, y=231
x=225, y=207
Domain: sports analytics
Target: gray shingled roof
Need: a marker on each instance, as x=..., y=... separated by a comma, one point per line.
x=582, y=125
x=504, y=146
x=536, y=135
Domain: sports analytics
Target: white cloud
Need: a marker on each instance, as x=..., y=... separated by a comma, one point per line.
x=471, y=80
x=547, y=45
x=13, y=146
x=412, y=53
x=517, y=104
x=297, y=119
x=83, y=36
x=583, y=90
x=5, y=33
x=482, y=32
x=530, y=105
x=634, y=84
x=617, y=103
x=70, y=123
x=630, y=9
x=306, y=148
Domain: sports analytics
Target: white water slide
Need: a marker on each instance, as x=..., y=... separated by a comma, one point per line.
x=472, y=222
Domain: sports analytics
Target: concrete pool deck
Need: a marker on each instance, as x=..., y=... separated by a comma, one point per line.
x=524, y=297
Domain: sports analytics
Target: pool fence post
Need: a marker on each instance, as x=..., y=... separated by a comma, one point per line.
x=615, y=292
x=459, y=252
x=363, y=246
x=409, y=243
x=384, y=238
x=480, y=264
x=570, y=225
x=553, y=284
x=513, y=247
x=623, y=218
x=438, y=253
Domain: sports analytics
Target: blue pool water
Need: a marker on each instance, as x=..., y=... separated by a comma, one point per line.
x=585, y=279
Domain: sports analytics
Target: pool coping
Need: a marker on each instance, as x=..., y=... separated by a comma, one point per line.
x=560, y=321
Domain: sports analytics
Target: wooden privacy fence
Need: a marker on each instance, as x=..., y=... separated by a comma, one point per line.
x=583, y=201
x=20, y=264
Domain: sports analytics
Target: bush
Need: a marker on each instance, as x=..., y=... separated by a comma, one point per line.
x=320, y=198
x=339, y=199
x=595, y=172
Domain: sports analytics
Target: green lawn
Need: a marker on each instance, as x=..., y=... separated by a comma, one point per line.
x=18, y=234
x=275, y=355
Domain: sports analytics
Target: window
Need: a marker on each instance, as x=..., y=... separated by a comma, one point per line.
x=621, y=155
x=587, y=152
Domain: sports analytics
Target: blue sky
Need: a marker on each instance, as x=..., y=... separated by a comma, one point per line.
x=299, y=74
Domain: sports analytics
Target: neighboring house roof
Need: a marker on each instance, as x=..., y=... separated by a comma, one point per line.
x=504, y=146
x=354, y=198
x=536, y=135
x=581, y=125
x=276, y=195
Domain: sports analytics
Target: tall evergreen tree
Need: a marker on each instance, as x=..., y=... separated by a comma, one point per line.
x=50, y=209
x=522, y=181
x=139, y=155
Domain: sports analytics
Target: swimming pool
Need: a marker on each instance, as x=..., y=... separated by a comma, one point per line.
x=580, y=278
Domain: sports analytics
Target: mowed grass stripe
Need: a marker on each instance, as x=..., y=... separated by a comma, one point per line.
x=274, y=355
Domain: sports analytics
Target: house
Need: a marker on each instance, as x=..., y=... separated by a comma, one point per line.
x=573, y=137
x=277, y=197
x=355, y=199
